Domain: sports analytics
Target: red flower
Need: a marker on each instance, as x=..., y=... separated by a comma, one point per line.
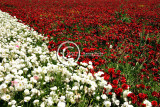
x=130, y=95
x=142, y=96
x=137, y=85
x=118, y=71
x=118, y=91
x=114, y=75
x=124, y=86
x=133, y=97
x=110, y=93
x=115, y=82
x=154, y=93
x=111, y=70
x=123, y=80
x=154, y=103
x=142, y=86
x=143, y=105
x=148, y=87
x=114, y=86
x=49, y=36
x=106, y=77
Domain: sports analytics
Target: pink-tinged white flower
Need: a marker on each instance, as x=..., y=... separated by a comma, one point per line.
x=36, y=77
x=17, y=46
x=14, y=83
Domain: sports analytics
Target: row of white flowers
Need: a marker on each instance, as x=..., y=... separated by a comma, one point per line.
x=30, y=74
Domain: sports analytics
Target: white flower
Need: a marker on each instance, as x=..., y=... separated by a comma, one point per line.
x=13, y=106
x=26, y=92
x=20, y=72
x=107, y=103
x=62, y=98
x=32, y=79
x=53, y=88
x=46, y=78
x=90, y=67
x=104, y=96
x=36, y=102
x=20, y=86
x=3, y=86
x=117, y=102
x=34, y=91
x=67, y=80
x=99, y=73
x=11, y=88
x=84, y=64
x=108, y=88
x=90, y=63
x=13, y=102
x=61, y=104
x=72, y=101
x=110, y=46
x=125, y=104
x=26, y=99
x=148, y=103
x=131, y=106
x=75, y=88
x=14, y=70
x=98, y=98
x=93, y=88
x=42, y=104
x=50, y=101
x=8, y=78
x=6, y=97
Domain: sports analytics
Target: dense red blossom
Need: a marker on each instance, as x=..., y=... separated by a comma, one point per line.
x=154, y=103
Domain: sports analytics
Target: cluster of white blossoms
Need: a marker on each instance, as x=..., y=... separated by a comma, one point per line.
x=30, y=74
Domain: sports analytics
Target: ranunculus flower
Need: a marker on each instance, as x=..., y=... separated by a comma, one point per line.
x=154, y=103
x=115, y=82
x=142, y=96
x=154, y=93
x=106, y=77
x=111, y=70
x=142, y=86
x=118, y=91
x=125, y=86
